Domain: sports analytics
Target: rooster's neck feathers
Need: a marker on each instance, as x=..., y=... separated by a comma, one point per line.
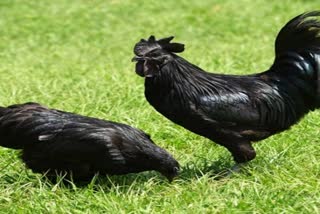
x=187, y=80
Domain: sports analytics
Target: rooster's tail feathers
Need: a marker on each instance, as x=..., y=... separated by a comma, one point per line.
x=297, y=50
x=300, y=34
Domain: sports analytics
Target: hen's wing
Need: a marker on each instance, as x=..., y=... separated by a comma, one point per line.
x=60, y=135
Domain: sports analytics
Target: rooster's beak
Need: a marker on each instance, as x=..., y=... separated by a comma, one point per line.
x=136, y=59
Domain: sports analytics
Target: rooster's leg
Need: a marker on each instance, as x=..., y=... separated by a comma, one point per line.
x=242, y=152
x=235, y=169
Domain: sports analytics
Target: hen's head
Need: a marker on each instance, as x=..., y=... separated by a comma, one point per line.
x=151, y=54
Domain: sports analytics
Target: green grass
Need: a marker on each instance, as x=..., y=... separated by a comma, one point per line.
x=75, y=55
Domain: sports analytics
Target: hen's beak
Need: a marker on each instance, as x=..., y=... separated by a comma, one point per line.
x=136, y=59
x=173, y=175
x=170, y=179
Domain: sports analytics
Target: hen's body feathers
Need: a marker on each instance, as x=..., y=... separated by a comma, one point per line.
x=235, y=110
x=53, y=140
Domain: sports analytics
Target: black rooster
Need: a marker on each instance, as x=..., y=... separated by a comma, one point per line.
x=55, y=141
x=233, y=110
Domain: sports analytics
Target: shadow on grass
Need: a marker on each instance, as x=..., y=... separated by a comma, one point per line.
x=216, y=169
x=202, y=167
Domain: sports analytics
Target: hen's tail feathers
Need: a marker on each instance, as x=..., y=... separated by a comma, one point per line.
x=4, y=142
x=3, y=111
x=297, y=50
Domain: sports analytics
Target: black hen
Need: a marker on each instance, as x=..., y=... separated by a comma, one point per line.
x=233, y=110
x=55, y=141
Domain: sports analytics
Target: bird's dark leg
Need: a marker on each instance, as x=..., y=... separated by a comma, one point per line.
x=235, y=168
x=242, y=153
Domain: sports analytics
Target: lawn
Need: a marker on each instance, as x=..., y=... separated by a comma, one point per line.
x=76, y=55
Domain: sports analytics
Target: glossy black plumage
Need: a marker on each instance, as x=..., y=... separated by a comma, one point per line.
x=233, y=110
x=56, y=141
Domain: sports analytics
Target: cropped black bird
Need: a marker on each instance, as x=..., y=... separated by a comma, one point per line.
x=54, y=141
x=236, y=110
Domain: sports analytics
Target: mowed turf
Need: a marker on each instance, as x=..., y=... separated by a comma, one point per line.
x=76, y=56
